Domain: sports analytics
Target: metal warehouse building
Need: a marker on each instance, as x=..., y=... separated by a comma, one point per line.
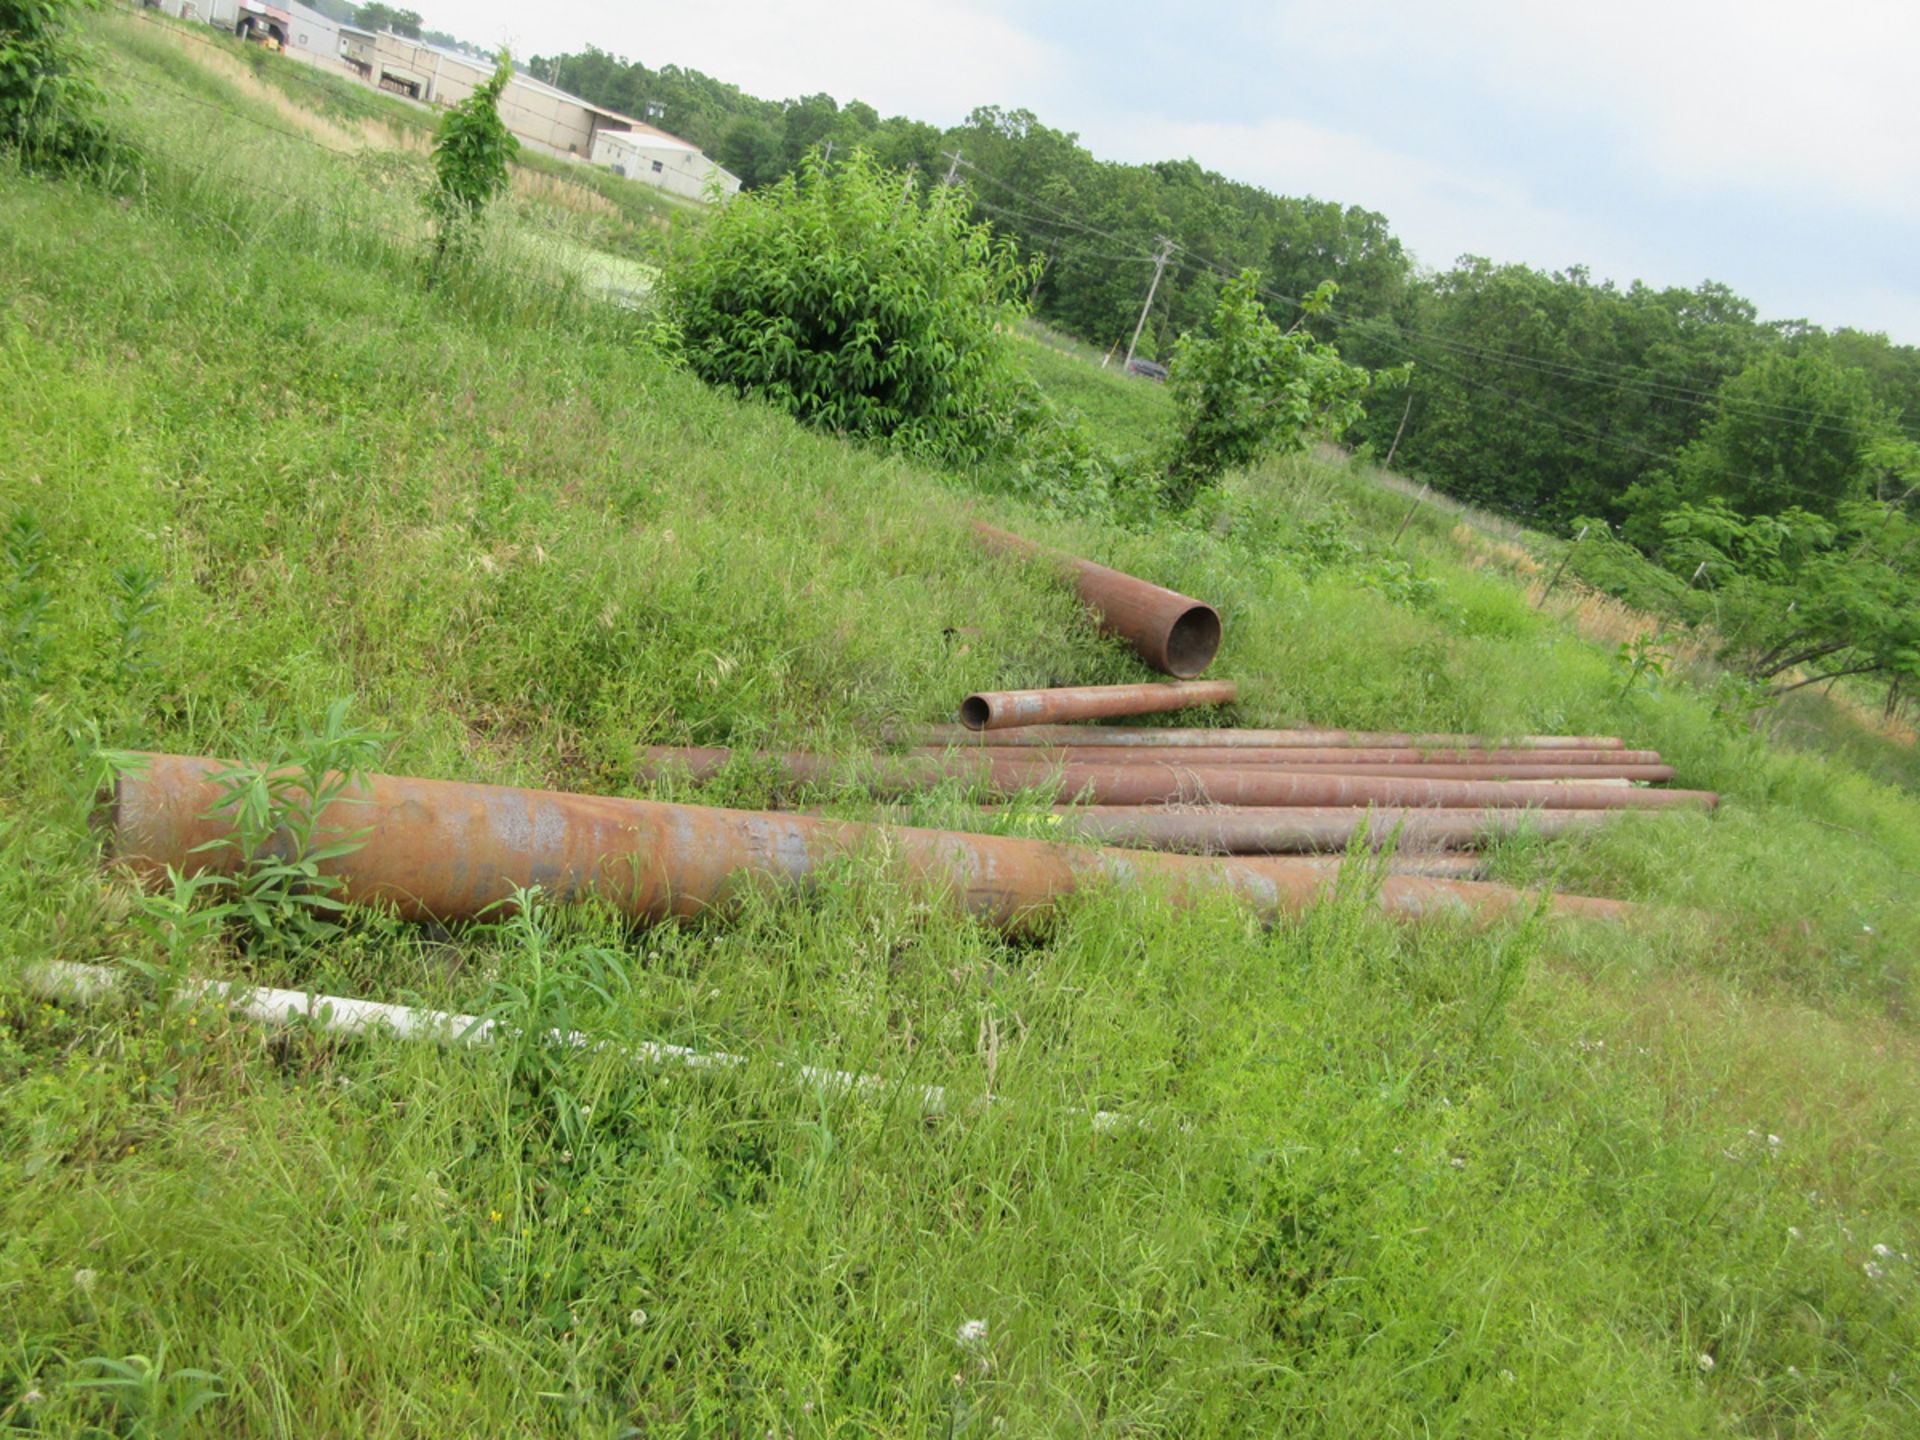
x=661, y=159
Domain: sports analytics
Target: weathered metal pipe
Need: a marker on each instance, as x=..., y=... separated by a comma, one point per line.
x=1249, y=830
x=1174, y=633
x=1157, y=784
x=442, y=850
x=1149, y=735
x=1293, y=757
x=1003, y=709
x=1519, y=770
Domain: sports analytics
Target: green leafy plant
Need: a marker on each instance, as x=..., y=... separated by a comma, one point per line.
x=132, y=605
x=471, y=152
x=47, y=98
x=1246, y=389
x=1643, y=660
x=150, y=1401
x=848, y=299
x=284, y=835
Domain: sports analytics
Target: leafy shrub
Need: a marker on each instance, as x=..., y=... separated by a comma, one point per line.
x=471, y=151
x=47, y=98
x=845, y=299
x=1248, y=388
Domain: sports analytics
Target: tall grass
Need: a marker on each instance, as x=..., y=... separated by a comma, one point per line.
x=1383, y=1180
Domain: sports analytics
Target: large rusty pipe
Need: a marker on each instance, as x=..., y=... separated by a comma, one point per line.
x=1162, y=736
x=1291, y=757
x=1518, y=770
x=1004, y=709
x=1174, y=633
x=1161, y=784
x=1250, y=830
x=436, y=849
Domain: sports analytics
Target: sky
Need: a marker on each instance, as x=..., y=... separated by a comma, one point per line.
x=1772, y=147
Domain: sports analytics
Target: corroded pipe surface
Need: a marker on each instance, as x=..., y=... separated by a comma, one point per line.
x=1004, y=709
x=1150, y=735
x=1292, y=757
x=442, y=850
x=1159, y=784
x=1249, y=830
x=1656, y=774
x=1174, y=633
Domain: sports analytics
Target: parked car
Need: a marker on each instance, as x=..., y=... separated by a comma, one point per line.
x=1149, y=369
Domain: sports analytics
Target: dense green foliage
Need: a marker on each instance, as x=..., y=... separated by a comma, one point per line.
x=1387, y=1180
x=1244, y=389
x=859, y=302
x=49, y=102
x=472, y=149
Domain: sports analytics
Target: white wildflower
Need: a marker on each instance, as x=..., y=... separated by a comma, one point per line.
x=32, y=1397
x=1873, y=1271
x=972, y=1333
x=1705, y=1361
x=1794, y=1371
x=1774, y=1142
x=1793, y=1232
x=637, y=1318
x=1883, y=1251
x=1458, y=1163
x=83, y=1279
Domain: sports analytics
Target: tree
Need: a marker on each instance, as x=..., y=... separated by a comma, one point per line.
x=385, y=17
x=861, y=304
x=471, y=151
x=1248, y=388
x=47, y=99
x=1827, y=595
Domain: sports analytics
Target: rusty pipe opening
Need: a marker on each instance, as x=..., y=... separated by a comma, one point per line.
x=975, y=712
x=1193, y=641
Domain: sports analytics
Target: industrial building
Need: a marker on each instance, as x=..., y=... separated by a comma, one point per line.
x=644, y=153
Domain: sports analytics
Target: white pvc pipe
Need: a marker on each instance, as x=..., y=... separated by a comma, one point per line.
x=345, y=1015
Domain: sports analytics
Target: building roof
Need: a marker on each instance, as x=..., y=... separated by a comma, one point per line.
x=648, y=138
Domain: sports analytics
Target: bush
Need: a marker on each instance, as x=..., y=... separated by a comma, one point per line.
x=854, y=304
x=47, y=99
x=1249, y=388
x=471, y=151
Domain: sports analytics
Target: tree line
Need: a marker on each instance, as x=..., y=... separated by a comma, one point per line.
x=1768, y=458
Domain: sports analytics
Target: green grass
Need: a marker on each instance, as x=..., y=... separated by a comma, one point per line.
x=1385, y=1180
x=1126, y=415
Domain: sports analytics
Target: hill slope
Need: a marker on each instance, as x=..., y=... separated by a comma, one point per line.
x=1383, y=1181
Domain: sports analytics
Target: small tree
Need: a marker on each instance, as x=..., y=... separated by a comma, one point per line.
x=856, y=300
x=471, y=151
x=47, y=99
x=1247, y=388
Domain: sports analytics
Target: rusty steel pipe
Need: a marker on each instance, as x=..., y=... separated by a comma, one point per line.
x=1174, y=633
x=1292, y=757
x=1162, y=784
x=1249, y=830
x=1161, y=736
x=436, y=849
x=1005, y=709
x=1518, y=770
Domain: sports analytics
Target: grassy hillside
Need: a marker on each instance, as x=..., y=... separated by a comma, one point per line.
x=1383, y=1181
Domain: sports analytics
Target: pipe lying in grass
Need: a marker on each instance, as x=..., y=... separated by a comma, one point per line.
x=1174, y=633
x=1650, y=772
x=1148, y=735
x=1291, y=758
x=345, y=1015
x=1160, y=784
x=1005, y=709
x=435, y=849
x=1304, y=830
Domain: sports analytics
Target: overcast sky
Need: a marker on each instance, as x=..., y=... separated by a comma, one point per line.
x=1772, y=146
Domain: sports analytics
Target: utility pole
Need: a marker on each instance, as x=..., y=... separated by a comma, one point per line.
x=1407, y=519
x=1159, y=264
x=1563, y=565
x=953, y=170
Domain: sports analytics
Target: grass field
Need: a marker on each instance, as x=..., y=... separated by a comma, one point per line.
x=1373, y=1180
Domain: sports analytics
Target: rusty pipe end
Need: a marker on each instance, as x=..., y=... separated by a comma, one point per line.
x=975, y=712
x=1193, y=641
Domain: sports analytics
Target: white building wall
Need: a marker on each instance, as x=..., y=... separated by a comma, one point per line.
x=672, y=165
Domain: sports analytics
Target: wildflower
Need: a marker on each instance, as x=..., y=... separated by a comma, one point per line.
x=1793, y=1232
x=32, y=1397
x=972, y=1332
x=1705, y=1362
x=637, y=1318
x=1794, y=1371
x=1458, y=1163
x=83, y=1279
x=1873, y=1271
x=807, y=1408
x=494, y=1217
x=959, y=1379
x=1774, y=1142
x=1883, y=1251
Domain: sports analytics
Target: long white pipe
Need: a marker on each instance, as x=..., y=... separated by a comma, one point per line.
x=347, y=1015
